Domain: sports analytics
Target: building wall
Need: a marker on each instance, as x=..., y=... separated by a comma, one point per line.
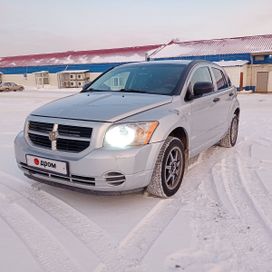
x=234, y=74
x=29, y=80
x=53, y=80
x=94, y=76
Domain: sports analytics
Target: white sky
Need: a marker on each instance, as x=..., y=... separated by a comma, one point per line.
x=35, y=26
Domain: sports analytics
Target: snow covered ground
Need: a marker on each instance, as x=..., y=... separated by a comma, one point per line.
x=220, y=220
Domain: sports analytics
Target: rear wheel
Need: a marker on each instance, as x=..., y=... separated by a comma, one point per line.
x=230, y=139
x=169, y=169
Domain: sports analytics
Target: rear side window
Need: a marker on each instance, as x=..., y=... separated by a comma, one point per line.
x=202, y=74
x=220, y=79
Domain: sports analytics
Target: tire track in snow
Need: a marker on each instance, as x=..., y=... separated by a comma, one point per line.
x=226, y=243
x=242, y=199
x=43, y=246
x=223, y=187
x=257, y=193
x=143, y=236
x=140, y=239
x=89, y=233
x=225, y=239
x=138, y=242
x=248, y=207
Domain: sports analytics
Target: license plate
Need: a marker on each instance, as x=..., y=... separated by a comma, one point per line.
x=54, y=166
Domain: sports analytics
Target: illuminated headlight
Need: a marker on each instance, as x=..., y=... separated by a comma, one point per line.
x=130, y=134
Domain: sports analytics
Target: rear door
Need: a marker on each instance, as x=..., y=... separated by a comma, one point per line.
x=224, y=93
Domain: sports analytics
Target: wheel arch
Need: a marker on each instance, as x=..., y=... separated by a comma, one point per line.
x=182, y=134
x=237, y=112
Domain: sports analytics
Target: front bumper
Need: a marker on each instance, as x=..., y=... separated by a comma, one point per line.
x=100, y=170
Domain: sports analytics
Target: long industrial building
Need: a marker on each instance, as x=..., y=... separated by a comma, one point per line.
x=247, y=60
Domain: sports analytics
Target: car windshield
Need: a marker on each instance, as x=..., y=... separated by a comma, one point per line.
x=153, y=79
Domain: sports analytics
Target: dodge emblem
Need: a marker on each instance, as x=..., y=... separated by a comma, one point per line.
x=53, y=135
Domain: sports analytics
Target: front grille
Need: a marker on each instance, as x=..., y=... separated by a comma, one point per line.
x=72, y=145
x=40, y=127
x=66, y=138
x=72, y=131
x=40, y=140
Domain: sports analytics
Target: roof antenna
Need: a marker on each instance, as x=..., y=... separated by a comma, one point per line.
x=147, y=57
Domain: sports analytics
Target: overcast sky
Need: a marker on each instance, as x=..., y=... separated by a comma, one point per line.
x=35, y=26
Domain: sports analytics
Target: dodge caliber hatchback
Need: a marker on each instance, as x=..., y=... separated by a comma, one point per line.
x=135, y=126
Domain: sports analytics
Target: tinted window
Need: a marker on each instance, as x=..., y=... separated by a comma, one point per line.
x=150, y=78
x=200, y=75
x=220, y=79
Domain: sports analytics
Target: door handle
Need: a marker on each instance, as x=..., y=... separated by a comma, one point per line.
x=231, y=94
x=216, y=99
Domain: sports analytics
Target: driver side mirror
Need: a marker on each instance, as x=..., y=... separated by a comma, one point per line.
x=86, y=86
x=201, y=88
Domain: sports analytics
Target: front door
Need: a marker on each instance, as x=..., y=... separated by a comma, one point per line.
x=262, y=82
x=202, y=117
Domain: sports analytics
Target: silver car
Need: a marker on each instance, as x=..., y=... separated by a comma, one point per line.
x=135, y=126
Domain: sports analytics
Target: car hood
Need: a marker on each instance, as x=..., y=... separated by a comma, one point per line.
x=104, y=107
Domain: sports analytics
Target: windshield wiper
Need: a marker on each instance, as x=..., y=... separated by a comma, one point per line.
x=85, y=90
x=132, y=91
x=93, y=90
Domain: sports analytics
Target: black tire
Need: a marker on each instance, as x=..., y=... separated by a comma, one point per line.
x=169, y=169
x=230, y=139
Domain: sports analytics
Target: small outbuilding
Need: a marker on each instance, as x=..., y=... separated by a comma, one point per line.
x=73, y=78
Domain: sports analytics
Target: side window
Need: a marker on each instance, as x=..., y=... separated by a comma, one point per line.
x=202, y=74
x=220, y=79
x=229, y=81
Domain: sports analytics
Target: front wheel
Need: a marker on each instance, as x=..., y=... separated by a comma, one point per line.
x=230, y=139
x=169, y=169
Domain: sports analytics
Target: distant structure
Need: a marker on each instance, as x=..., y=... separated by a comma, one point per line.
x=247, y=60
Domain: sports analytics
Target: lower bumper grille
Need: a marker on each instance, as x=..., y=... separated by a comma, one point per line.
x=73, y=178
x=115, y=178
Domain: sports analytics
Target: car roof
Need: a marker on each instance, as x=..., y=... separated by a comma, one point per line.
x=165, y=62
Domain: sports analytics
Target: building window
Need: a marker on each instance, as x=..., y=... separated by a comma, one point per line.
x=259, y=58
x=116, y=81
